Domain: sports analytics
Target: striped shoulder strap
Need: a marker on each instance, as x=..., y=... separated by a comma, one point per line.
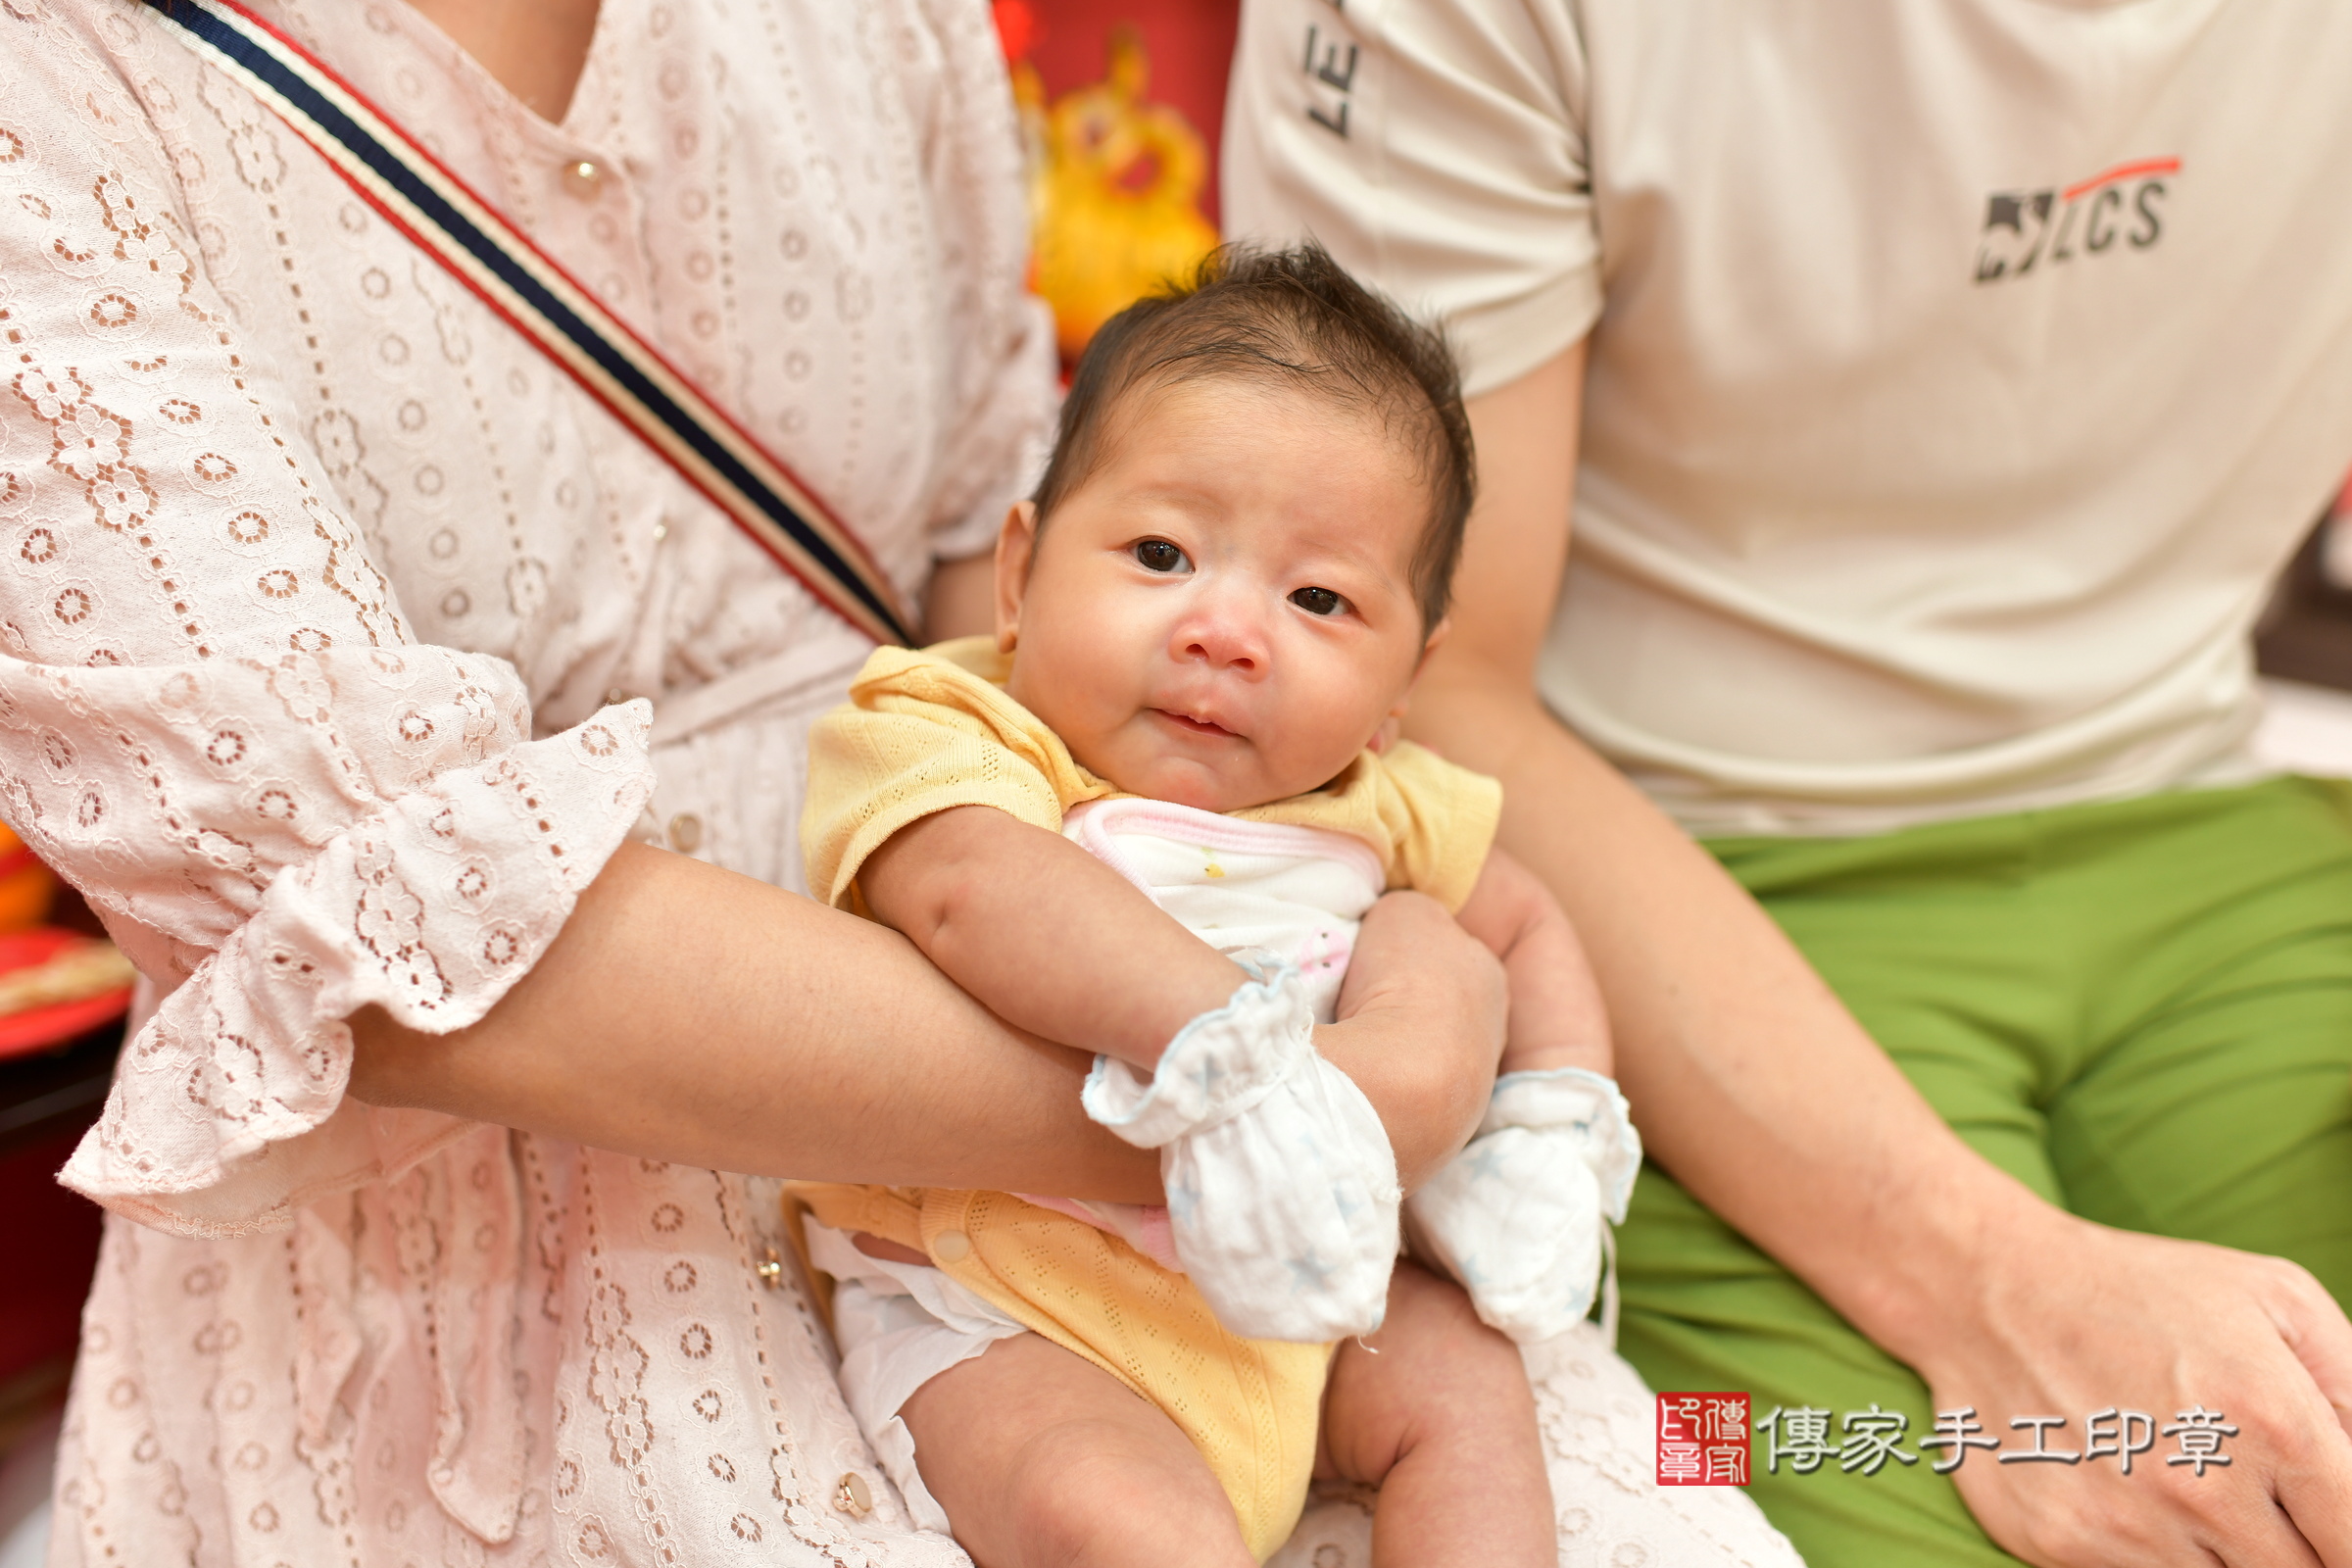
x=547, y=305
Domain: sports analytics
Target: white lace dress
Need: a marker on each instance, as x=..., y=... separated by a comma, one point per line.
x=324, y=610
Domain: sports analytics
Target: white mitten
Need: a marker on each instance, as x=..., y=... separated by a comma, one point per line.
x=1516, y=1216
x=1282, y=1188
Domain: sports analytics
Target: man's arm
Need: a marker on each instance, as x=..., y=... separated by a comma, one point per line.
x=1761, y=1093
x=1046, y=936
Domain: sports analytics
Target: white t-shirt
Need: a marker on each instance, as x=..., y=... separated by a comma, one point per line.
x=1961, y=371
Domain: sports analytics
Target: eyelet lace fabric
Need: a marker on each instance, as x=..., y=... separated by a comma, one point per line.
x=329, y=621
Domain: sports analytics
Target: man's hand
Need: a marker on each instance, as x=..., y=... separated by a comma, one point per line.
x=2074, y=1317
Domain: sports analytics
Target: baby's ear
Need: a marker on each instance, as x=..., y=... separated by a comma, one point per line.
x=1433, y=642
x=1016, y=546
x=1428, y=644
x=1393, y=725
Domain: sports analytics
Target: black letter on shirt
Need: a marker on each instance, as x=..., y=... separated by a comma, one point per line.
x=2066, y=227
x=2095, y=238
x=2040, y=206
x=2002, y=210
x=1332, y=75
x=2141, y=239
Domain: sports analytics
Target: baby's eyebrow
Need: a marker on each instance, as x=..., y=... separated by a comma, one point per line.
x=1183, y=495
x=1350, y=552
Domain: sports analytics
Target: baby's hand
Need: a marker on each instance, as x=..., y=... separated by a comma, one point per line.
x=1518, y=1215
x=1558, y=1017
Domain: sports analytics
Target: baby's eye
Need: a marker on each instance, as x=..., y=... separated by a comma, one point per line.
x=1318, y=600
x=1158, y=555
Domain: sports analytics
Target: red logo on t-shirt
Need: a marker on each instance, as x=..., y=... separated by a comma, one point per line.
x=1702, y=1439
x=2029, y=228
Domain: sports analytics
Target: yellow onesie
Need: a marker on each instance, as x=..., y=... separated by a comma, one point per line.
x=927, y=730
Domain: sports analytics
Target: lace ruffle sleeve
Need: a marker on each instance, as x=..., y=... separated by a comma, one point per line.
x=212, y=719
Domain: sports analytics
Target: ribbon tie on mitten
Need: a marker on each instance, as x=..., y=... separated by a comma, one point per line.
x=1516, y=1216
x=1282, y=1188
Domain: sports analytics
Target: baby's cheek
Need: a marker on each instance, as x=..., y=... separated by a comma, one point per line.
x=1080, y=718
x=1331, y=715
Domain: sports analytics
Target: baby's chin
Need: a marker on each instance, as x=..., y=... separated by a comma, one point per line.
x=1208, y=785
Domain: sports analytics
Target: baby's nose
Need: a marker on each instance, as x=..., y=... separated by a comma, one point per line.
x=1222, y=652
x=1223, y=636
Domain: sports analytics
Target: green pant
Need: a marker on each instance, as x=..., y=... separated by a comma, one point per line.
x=2141, y=1010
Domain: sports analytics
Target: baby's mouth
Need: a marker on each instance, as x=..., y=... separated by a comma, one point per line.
x=1194, y=726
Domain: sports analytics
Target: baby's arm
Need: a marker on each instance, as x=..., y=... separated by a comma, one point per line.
x=1046, y=936
x=1273, y=1159
x=1517, y=1215
x=1557, y=1018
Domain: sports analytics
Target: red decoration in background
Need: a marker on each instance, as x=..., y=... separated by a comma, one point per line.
x=1190, y=42
x=45, y=1028
x=45, y=1103
x=1016, y=27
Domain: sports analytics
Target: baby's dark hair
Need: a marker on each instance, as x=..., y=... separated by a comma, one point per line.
x=1290, y=317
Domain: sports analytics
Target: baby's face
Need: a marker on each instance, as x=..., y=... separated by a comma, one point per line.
x=1222, y=615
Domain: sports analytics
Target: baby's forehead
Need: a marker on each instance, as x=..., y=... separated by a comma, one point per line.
x=1320, y=395
x=1304, y=414
x=1290, y=428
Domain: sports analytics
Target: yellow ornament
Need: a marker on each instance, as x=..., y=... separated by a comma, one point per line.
x=1115, y=191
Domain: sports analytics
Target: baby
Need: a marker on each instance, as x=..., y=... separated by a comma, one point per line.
x=1214, y=610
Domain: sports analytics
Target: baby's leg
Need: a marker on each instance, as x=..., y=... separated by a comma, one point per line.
x=1435, y=1409
x=1043, y=1459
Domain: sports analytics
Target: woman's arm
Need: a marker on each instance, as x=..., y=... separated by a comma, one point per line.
x=799, y=1041
x=1763, y=1096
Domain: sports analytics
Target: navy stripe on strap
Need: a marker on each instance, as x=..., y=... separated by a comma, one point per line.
x=274, y=68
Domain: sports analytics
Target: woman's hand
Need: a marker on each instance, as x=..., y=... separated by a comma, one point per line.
x=1421, y=1027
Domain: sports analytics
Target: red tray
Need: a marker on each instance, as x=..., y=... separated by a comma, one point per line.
x=40, y=1029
